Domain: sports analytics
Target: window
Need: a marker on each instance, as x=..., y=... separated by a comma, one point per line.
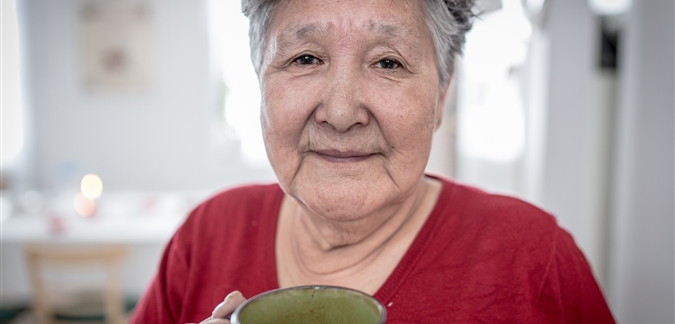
x=491, y=107
x=241, y=90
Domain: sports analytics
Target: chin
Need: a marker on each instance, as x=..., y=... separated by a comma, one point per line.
x=343, y=199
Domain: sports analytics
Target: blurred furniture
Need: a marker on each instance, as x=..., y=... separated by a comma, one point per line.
x=143, y=221
x=72, y=283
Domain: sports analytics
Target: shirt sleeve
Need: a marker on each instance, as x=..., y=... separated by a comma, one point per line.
x=570, y=293
x=162, y=302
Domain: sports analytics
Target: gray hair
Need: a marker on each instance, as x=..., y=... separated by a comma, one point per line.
x=447, y=20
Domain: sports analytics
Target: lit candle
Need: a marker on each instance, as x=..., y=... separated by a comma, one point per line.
x=91, y=186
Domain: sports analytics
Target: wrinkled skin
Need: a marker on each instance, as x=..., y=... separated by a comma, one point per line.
x=351, y=99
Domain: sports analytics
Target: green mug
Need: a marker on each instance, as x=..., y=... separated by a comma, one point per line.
x=310, y=304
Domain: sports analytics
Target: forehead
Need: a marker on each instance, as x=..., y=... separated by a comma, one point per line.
x=299, y=20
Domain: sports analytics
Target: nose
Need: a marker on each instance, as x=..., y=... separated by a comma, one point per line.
x=343, y=106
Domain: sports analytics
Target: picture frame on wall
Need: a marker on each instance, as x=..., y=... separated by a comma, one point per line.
x=116, y=40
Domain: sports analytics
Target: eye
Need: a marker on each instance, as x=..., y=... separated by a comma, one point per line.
x=306, y=60
x=388, y=64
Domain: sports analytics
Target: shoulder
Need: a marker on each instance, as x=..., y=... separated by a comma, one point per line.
x=489, y=212
x=496, y=258
x=507, y=234
x=223, y=245
x=233, y=210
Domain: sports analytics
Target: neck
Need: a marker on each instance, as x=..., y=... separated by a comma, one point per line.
x=320, y=250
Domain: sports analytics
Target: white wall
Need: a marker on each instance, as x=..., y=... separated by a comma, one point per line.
x=641, y=280
x=160, y=139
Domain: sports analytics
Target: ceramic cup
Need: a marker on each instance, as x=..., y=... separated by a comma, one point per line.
x=310, y=304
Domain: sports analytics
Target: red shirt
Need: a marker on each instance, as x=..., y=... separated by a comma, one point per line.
x=479, y=258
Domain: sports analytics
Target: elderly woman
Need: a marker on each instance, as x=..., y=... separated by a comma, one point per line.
x=352, y=92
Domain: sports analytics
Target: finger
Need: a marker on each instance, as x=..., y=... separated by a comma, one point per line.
x=231, y=302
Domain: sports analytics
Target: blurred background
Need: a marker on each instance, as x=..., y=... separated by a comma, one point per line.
x=119, y=116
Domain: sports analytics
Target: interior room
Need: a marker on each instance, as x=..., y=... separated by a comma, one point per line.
x=120, y=117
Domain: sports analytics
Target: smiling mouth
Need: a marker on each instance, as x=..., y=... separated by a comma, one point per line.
x=343, y=157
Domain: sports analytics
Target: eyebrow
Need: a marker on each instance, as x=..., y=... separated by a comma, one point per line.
x=392, y=30
x=293, y=35
x=308, y=31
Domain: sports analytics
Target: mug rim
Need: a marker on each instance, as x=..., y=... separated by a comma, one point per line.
x=235, y=315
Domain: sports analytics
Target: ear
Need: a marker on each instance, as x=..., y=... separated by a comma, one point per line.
x=440, y=104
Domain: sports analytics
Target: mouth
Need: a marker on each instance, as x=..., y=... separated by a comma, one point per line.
x=343, y=156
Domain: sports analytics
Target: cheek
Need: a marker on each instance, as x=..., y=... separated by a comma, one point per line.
x=407, y=119
x=289, y=103
x=284, y=114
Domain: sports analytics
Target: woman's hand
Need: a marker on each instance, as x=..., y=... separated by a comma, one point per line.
x=221, y=314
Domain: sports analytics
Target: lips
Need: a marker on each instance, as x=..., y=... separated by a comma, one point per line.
x=343, y=156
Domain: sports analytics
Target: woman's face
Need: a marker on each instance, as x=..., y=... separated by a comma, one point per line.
x=351, y=99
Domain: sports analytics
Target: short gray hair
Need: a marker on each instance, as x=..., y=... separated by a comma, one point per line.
x=447, y=20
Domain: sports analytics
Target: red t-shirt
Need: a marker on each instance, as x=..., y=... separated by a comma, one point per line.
x=479, y=258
